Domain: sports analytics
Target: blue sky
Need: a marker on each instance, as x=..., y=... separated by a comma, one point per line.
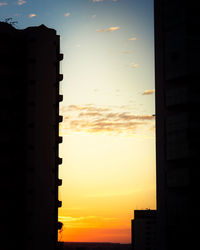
x=77, y=22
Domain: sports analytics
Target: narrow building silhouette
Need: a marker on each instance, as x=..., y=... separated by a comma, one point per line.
x=143, y=230
x=29, y=137
x=177, y=78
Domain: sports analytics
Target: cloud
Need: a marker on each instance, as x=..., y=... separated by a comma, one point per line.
x=94, y=16
x=148, y=92
x=132, y=39
x=67, y=14
x=3, y=4
x=32, y=15
x=113, y=29
x=94, y=119
x=109, y=29
x=127, y=52
x=73, y=219
x=85, y=221
x=87, y=107
x=133, y=65
x=97, y=1
x=21, y=2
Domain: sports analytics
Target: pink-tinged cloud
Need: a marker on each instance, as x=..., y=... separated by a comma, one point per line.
x=3, y=4
x=149, y=92
x=132, y=39
x=32, y=15
x=67, y=14
x=21, y=2
x=109, y=29
x=88, y=107
x=93, y=119
x=127, y=52
x=133, y=65
x=97, y=1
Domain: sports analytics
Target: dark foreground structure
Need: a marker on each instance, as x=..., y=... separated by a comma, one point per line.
x=95, y=246
x=29, y=120
x=143, y=228
x=177, y=80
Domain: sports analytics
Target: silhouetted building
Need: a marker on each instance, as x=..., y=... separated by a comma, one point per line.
x=144, y=230
x=95, y=246
x=29, y=122
x=177, y=78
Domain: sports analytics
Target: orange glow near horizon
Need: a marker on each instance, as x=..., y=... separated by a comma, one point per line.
x=97, y=235
x=98, y=202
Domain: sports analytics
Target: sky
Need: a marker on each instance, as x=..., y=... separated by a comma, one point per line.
x=108, y=129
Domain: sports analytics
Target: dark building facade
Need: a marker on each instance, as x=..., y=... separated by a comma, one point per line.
x=177, y=78
x=29, y=137
x=143, y=228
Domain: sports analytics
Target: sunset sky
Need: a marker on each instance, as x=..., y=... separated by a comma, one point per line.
x=108, y=131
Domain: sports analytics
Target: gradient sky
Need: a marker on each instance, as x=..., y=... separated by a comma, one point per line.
x=108, y=151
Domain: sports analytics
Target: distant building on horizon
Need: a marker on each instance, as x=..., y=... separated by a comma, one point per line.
x=29, y=139
x=95, y=246
x=143, y=230
x=177, y=84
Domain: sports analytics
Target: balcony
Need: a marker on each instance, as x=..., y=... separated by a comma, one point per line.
x=59, y=203
x=59, y=225
x=60, y=57
x=60, y=139
x=59, y=161
x=60, y=77
x=60, y=118
x=60, y=245
x=59, y=182
x=60, y=98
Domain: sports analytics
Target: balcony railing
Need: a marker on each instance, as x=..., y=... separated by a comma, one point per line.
x=60, y=57
x=60, y=77
x=59, y=225
x=59, y=203
x=60, y=98
x=60, y=161
x=59, y=182
x=60, y=118
x=60, y=139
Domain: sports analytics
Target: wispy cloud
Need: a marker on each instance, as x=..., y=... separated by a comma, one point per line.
x=21, y=2
x=94, y=119
x=97, y=1
x=71, y=219
x=109, y=29
x=148, y=92
x=133, y=65
x=87, y=107
x=32, y=15
x=3, y=4
x=127, y=52
x=85, y=221
x=132, y=39
x=67, y=14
